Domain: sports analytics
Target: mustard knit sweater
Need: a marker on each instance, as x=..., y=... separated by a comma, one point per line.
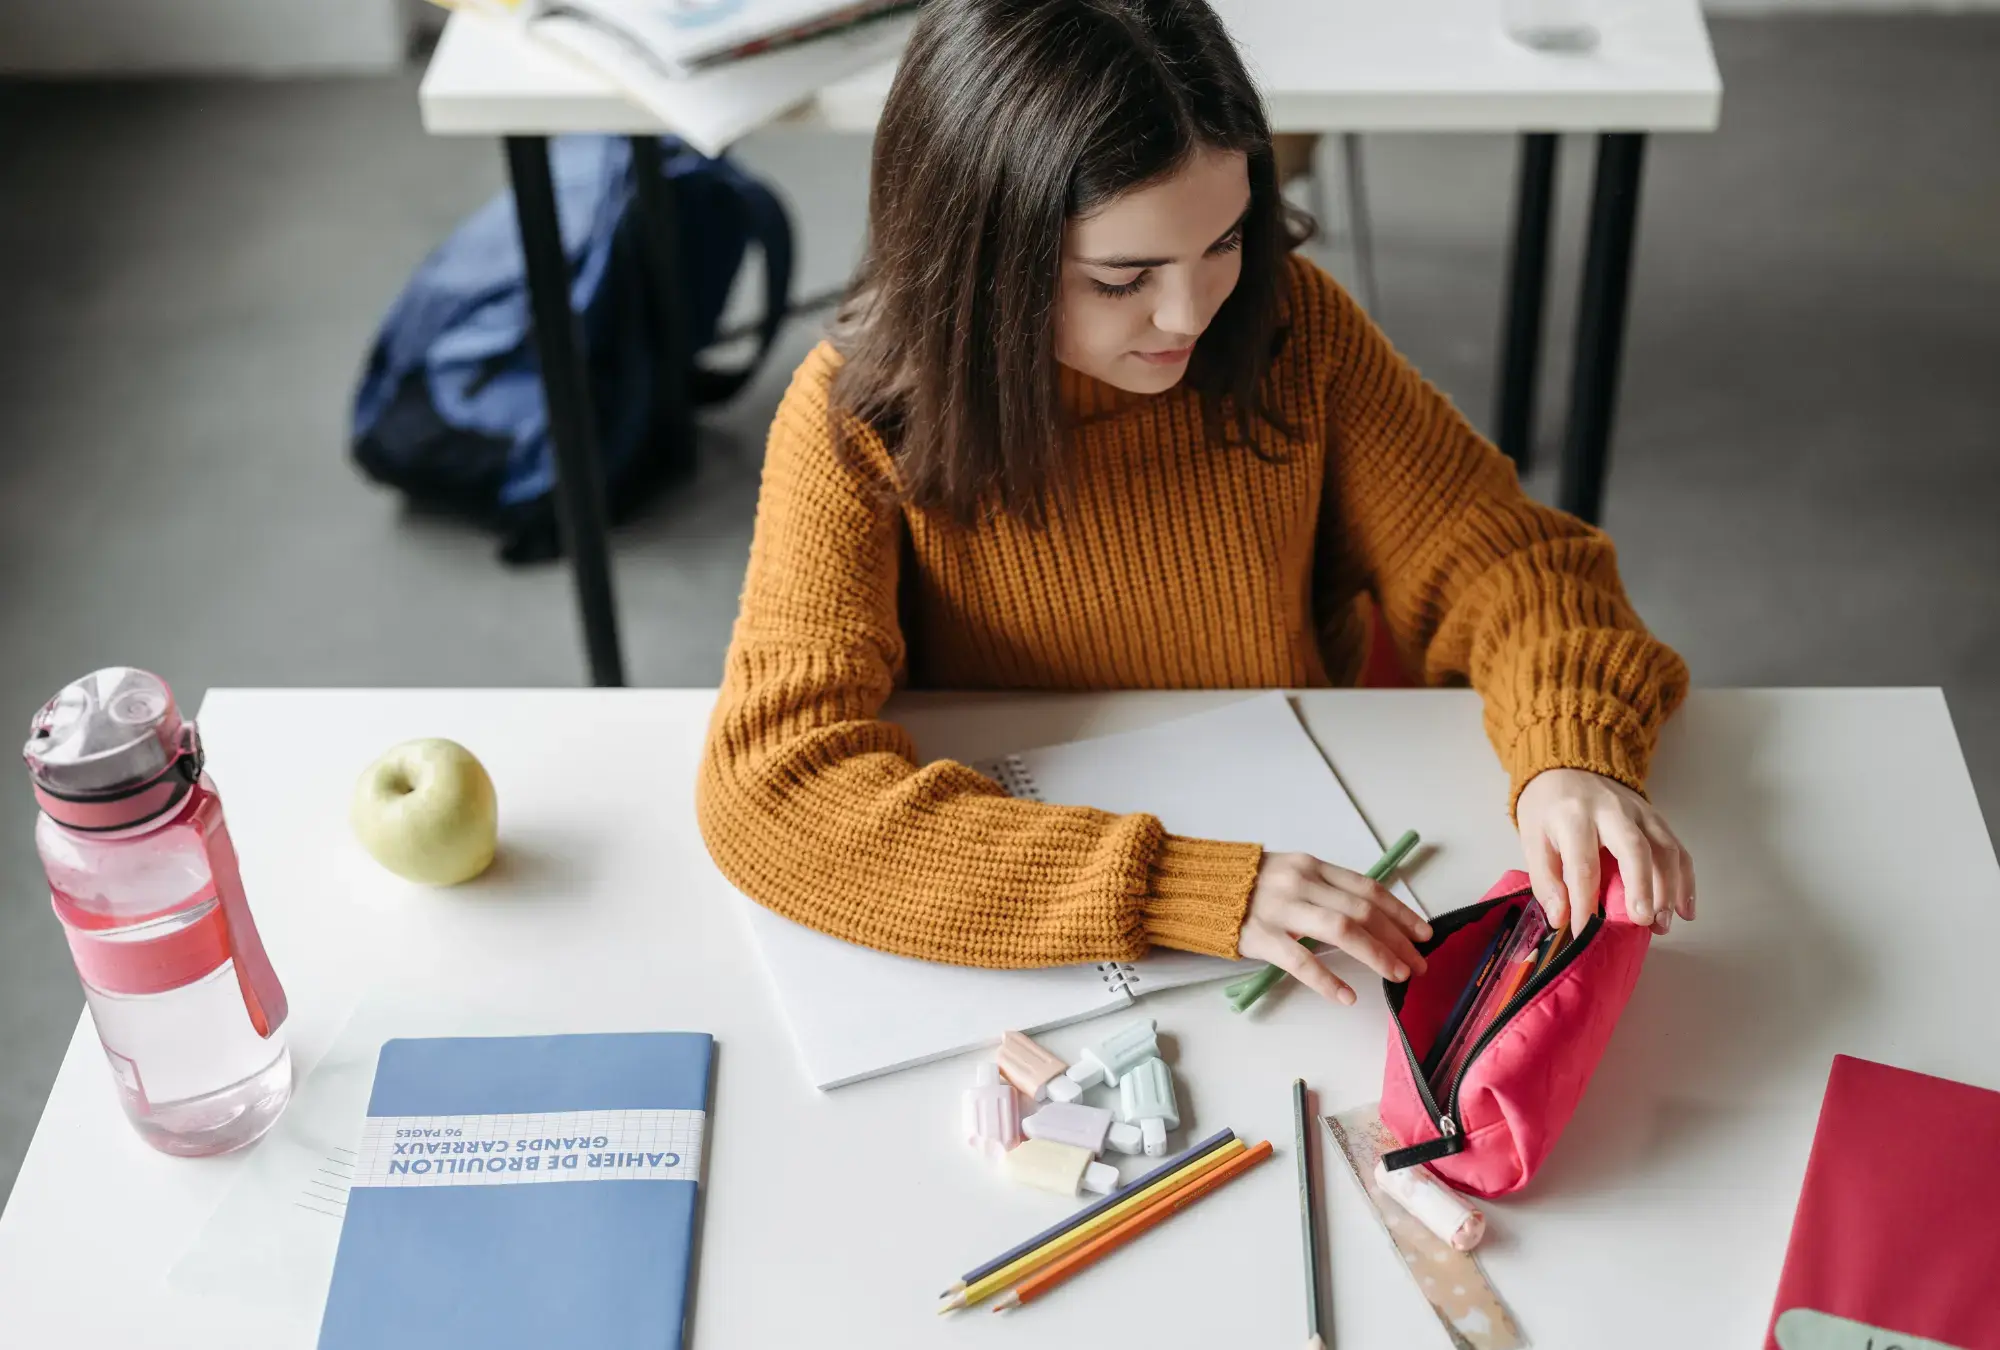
x=1174, y=565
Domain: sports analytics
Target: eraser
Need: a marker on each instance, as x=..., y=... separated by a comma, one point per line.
x=1070, y=1123
x=1433, y=1204
x=1146, y=1099
x=1049, y=1166
x=1131, y=1044
x=992, y=1114
x=1027, y=1065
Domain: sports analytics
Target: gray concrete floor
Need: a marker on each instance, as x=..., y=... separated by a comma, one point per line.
x=1804, y=481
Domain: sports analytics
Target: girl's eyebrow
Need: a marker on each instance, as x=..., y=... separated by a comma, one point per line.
x=1122, y=263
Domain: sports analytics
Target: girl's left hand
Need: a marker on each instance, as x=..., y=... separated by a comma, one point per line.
x=1565, y=815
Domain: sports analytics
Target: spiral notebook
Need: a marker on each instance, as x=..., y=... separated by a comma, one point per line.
x=1244, y=771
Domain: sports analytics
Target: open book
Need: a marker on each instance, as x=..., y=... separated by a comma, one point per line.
x=1246, y=771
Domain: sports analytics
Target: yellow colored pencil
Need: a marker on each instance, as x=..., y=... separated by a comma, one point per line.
x=1055, y=1247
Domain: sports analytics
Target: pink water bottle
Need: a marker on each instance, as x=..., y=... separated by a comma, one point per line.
x=145, y=881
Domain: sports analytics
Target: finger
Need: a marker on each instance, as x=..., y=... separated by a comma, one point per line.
x=1375, y=893
x=1576, y=843
x=1673, y=858
x=1300, y=964
x=1545, y=878
x=1351, y=936
x=1635, y=866
x=1375, y=919
x=1666, y=883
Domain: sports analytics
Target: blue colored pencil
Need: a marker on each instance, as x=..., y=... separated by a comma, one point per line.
x=1091, y=1211
x=1480, y=973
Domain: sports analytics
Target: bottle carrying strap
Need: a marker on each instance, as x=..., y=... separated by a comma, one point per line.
x=263, y=996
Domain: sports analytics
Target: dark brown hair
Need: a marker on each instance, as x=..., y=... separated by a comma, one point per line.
x=1007, y=119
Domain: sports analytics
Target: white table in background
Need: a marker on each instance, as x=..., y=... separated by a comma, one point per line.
x=1850, y=902
x=1324, y=66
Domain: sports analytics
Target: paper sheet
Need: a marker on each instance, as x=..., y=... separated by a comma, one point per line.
x=271, y=1241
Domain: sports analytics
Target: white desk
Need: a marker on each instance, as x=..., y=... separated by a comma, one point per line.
x=1323, y=66
x=1850, y=902
x=1335, y=65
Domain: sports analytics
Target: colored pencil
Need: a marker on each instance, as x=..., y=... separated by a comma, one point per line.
x=1092, y=1210
x=1308, y=1206
x=1481, y=973
x=980, y=1290
x=1147, y=1219
x=1244, y=993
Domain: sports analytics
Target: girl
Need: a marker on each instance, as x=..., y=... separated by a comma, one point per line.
x=1087, y=422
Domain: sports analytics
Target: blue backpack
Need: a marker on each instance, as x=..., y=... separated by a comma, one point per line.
x=449, y=408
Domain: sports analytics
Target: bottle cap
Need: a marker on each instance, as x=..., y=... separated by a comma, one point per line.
x=110, y=751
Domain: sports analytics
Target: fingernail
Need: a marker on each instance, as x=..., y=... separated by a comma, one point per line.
x=1346, y=996
x=1399, y=971
x=1423, y=932
x=1666, y=918
x=1690, y=904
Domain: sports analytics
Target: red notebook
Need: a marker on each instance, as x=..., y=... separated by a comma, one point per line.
x=1898, y=1228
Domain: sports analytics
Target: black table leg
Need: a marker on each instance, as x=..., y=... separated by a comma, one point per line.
x=572, y=433
x=1600, y=323
x=660, y=239
x=1527, y=288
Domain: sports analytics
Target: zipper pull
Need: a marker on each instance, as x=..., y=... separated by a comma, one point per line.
x=1447, y=1143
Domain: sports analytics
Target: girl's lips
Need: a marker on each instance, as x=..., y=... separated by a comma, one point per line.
x=1167, y=358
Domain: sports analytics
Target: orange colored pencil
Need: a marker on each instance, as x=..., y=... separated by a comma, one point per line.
x=1145, y=1220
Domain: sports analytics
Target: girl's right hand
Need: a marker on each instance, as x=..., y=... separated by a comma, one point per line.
x=1297, y=895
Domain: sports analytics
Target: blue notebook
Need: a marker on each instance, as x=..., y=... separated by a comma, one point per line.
x=515, y=1193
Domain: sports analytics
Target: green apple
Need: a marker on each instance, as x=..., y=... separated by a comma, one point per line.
x=426, y=811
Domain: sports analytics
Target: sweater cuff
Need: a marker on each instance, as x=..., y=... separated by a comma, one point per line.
x=1197, y=894
x=1573, y=745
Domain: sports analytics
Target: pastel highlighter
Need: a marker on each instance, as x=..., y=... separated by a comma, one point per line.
x=1108, y=1059
x=1064, y=1169
x=1433, y=1204
x=1036, y=1073
x=1085, y=1127
x=1146, y=1099
x=992, y=1114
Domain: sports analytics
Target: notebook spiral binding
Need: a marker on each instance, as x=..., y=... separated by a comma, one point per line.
x=1012, y=773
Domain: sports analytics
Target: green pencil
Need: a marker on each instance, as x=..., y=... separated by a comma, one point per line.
x=1308, y=1213
x=1244, y=993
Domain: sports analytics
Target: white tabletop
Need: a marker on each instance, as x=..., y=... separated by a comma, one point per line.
x=1331, y=65
x=1850, y=902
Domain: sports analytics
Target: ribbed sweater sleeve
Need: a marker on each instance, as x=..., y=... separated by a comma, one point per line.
x=815, y=806
x=1478, y=582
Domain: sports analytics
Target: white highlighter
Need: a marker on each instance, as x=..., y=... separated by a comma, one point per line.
x=1433, y=1204
x=1082, y=1126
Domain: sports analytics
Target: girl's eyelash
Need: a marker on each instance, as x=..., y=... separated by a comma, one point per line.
x=1228, y=244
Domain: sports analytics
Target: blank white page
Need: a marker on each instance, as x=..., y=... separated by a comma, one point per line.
x=1246, y=771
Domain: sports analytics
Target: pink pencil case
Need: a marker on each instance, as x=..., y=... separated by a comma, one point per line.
x=1488, y=1128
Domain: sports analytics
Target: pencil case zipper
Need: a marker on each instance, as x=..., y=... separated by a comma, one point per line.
x=1450, y=1139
